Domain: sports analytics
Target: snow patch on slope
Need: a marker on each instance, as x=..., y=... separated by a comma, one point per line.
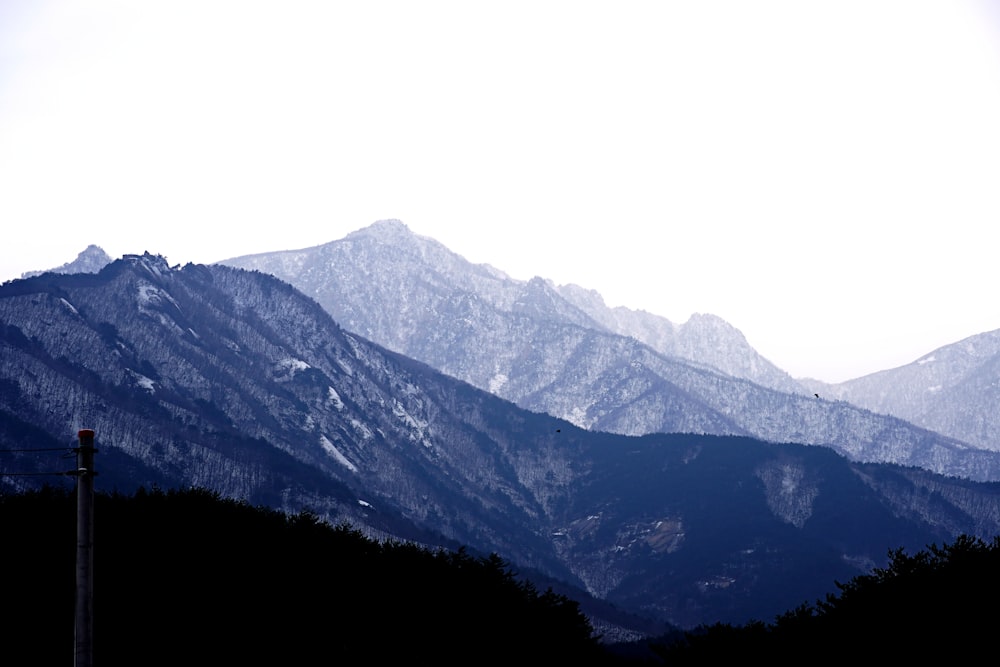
x=334, y=398
x=336, y=453
x=789, y=495
x=497, y=382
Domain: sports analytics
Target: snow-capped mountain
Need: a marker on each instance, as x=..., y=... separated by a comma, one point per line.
x=400, y=285
x=559, y=350
x=953, y=390
x=706, y=340
x=233, y=380
x=949, y=391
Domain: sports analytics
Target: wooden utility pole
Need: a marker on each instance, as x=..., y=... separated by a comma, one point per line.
x=85, y=549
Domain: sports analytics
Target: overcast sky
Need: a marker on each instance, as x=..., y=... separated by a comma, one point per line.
x=823, y=175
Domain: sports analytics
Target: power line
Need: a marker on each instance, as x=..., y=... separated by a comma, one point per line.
x=69, y=451
x=40, y=449
x=37, y=474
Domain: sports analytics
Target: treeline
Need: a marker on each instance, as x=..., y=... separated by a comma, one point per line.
x=939, y=602
x=187, y=577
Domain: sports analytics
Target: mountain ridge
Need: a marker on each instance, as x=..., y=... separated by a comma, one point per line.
x=528, y=343
x=687, y=340
x=962, y=414
x=950, y=390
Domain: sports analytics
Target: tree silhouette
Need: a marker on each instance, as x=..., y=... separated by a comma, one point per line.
x=934, y=602
x=187, y=576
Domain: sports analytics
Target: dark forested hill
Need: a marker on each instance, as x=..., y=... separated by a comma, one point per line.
x=190, y=578
x=931, y=604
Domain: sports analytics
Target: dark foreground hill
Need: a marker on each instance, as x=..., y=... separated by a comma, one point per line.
x=190, y=578
x=932, y=604
x=186, y=577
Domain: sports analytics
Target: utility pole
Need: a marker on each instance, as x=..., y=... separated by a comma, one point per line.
x=85, y=549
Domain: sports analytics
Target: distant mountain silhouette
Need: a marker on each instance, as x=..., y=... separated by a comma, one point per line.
x=91, y=260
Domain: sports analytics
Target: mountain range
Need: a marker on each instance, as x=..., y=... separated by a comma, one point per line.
x=391, y=276
x=234, y=380
x=561, y=350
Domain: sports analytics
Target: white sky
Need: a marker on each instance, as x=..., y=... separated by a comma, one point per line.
x=824, y=175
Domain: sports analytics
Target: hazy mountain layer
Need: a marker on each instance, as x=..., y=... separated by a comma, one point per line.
x=419, y=284
x=560, y=351
x=91, y=260
x=950, y=391
x=953, y=390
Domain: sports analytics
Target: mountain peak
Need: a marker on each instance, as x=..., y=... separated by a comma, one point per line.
x=709, y=323
x=387, y=230
x=90, y=260
x=92, y=252
x=155, y=265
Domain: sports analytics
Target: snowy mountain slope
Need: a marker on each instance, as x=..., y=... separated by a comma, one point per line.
x=705, y=340
x=950, y=391
x=526, y=342
x=383, y=281
x=953, y=390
